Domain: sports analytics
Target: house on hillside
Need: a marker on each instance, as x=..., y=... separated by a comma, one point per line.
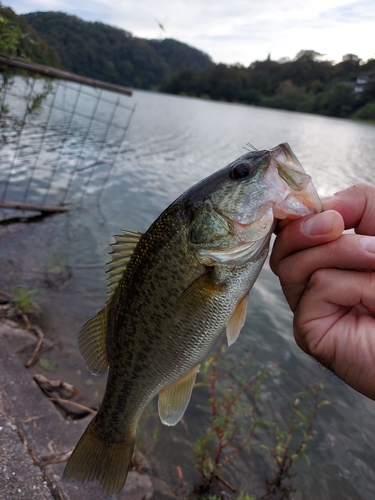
x=361, y=82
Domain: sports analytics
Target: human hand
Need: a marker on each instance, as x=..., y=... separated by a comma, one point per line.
x=328, y=279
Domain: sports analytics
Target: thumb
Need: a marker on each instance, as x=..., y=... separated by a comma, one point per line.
x=304, y=233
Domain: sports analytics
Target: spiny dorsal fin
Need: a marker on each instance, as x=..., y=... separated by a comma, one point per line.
x=237, y=320
x=173, y=400
x=92, y=342
x=92, y=339
x=121, y=252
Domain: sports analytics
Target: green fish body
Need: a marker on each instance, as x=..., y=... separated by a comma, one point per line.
x=174, y=290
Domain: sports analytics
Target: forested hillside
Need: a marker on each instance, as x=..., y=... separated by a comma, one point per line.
x=112, y=54
x=306, y=84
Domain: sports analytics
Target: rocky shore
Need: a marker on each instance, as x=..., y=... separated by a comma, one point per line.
x=35, y=440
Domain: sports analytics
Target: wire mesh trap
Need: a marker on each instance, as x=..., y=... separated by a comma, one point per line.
x=59, y=141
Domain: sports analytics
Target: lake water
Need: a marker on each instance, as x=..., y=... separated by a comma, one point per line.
x=172, y=142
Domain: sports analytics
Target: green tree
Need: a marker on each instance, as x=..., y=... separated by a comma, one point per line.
x=366, y=112
x=338, y=100
x=18, y=38
x=112, y=54
x=10, y=37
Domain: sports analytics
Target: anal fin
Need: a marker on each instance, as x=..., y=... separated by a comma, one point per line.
x=174, y=399
x=237, y=320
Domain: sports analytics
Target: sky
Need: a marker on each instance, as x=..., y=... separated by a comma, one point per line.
x=235, y=31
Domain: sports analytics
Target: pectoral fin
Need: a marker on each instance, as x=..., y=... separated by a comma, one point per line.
x=199, y=293
x=237, y=320
x=173, y=400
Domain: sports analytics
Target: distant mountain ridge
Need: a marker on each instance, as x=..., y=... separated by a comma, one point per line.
x=107, y=53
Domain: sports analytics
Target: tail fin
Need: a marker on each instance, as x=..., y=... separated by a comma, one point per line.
x=93, y=459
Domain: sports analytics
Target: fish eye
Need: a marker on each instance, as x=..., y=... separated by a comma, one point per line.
x=242, y=170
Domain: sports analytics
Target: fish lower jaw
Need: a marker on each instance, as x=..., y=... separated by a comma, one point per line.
x=294, y=207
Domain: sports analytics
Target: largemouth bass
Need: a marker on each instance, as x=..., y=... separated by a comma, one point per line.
x=174, y=291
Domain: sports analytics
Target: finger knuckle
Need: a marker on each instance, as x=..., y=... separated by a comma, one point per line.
x=319, y=279
x=286, y=271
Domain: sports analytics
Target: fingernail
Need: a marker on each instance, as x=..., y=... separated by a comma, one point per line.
x=318, y=224
x=368, y=243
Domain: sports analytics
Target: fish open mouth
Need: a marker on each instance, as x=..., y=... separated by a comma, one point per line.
x=295, y=206
x=301, y=197
x=284, y=190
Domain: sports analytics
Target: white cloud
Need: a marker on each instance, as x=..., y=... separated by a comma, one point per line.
x=239, y=30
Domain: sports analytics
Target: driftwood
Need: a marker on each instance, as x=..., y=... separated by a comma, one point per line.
x=35, y=207
x=65, y=403
x=39, y=334
x=62, y=75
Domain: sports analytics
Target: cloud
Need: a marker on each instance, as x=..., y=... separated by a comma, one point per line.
x=362, y=11
x=239, y=30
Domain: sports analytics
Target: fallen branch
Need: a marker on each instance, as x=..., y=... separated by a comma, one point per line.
x=39, y=343
x=55, y=459
x=58, y=343
x=62, y=75
x=4, y=307
x=225, y=483
x=64, y=389
x=26, y=321
x=35, y=207
x=77, y=406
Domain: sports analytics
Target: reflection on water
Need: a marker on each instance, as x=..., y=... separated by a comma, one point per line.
x=62, y=150
x=172, y=143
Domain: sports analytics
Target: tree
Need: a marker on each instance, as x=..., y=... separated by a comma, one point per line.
x=310, y=55
x=11, y=38
x=351, y=57
x=24, y=40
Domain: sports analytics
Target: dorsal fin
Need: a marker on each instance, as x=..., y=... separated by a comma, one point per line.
x=92, y=339
x=121, y=252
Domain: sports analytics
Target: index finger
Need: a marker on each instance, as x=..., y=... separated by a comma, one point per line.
x=357, y=207
x=304, y=233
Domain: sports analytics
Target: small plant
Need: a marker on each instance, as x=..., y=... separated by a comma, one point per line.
x=287, y=448
x=233, y=424
x=36, y=103
x=245, y=496
x=23, y=303
x=225, y=436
